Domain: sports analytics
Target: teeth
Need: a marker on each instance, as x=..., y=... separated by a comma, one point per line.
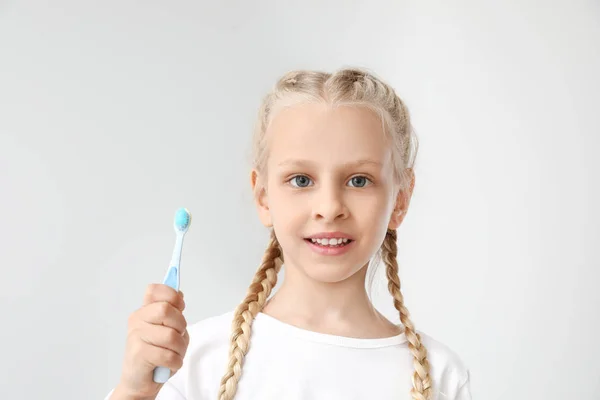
x=330, y=242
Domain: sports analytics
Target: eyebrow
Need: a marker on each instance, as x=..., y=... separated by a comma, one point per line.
x=307, y=163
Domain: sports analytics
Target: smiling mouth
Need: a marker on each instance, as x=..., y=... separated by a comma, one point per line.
x=329, y=245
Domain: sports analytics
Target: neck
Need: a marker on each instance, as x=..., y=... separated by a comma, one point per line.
x=341, y=308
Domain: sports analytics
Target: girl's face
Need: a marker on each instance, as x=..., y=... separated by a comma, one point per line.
x=329, y=170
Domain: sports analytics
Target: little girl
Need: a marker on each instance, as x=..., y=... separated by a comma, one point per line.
x=333, y=177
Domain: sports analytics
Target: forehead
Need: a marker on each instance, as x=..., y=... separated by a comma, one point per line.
x=327, y=135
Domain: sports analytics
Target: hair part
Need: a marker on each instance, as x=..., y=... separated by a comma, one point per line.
x=352, y=87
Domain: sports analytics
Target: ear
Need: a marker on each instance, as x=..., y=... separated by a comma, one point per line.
x=261, y=198
x=402, y=202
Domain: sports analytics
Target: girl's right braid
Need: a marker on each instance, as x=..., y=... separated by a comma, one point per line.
x=258, y=292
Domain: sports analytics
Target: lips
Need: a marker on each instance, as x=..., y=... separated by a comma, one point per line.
x=310, y=241
x=330, y=235
x=337, y=250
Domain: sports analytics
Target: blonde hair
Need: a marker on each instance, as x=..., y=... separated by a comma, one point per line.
x=345, y=87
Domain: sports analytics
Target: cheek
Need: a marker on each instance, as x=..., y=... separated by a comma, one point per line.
x=286, y=207
x=373, y=221
x=373, y=209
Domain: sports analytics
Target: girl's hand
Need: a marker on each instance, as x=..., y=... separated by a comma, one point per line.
x=157, y=336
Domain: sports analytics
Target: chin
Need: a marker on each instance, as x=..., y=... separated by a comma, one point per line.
x=330, y=273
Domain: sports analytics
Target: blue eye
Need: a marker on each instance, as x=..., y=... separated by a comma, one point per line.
x=356, y=180
x=305, y=178
x=359, y=178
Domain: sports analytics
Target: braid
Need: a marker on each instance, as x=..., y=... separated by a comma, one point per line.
x=421, y=380
x=263, y=282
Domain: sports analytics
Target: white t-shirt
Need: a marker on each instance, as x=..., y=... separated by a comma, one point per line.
x=287, y=362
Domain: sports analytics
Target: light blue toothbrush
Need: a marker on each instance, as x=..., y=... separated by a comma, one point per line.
x=183, y=219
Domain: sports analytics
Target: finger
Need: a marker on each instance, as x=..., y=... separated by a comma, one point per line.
x=163, y=337
x=161, y=357
x=160, y=292
x=163, y=313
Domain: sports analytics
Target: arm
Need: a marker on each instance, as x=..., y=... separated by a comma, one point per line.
x=464, y=390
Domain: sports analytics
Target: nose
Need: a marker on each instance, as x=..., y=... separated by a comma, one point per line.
x=329, y=205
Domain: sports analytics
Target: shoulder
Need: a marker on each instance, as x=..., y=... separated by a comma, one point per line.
x=206, y=357
x=211, y=330
x=448, y=370
x=443, y=356
x=214, y=323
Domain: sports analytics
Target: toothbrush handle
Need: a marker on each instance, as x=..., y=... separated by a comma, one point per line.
x=162, y=374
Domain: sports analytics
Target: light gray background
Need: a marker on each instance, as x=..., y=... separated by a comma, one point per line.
x=115, y=113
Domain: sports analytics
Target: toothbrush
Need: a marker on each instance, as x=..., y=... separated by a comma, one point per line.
x=183, y=219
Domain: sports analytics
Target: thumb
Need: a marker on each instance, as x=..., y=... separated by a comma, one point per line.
x=182, y=300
